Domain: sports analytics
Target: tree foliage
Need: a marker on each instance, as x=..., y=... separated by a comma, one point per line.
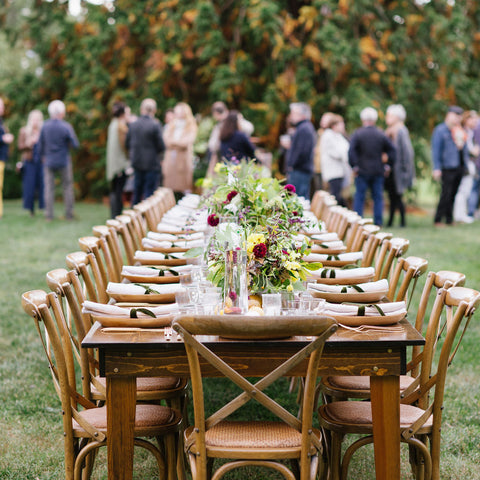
x=256, y=55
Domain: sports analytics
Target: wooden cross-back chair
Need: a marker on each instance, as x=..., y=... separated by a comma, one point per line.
x=388, y=255
x=352, y=233
x=85, y=427
x=371, y=246
x=109, y=233
x=136, y=225
x=127, y=242
x=361, y=235
x=100, y=249
x=254, y=442
x=86, y=266
x=320, y=197
x=422, y=404
x=337, y=387
x=69, y=290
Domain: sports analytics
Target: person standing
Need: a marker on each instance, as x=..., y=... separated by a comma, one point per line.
x=56, y=138
x=317, y=180
x=117, y=160
x=32, y=171
x=367, y=146
x=234, y=144
x=6, y=138
x=145, y=144
x=334, y=156
x=449, y=157
x=300, y=153
x=179, y=136
x=403, y=172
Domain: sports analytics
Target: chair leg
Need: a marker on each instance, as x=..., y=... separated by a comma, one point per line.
x=335, y=455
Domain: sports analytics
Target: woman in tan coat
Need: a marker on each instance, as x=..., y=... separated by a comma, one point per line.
x=179, y=136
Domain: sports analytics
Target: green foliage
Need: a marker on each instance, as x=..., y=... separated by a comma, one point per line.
x=256, y=55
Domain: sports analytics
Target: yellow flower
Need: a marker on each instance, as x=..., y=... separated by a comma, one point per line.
x=292, y=266
x=290, y=288
x=218, y=167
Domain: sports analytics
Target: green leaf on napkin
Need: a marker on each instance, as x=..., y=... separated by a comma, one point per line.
x=146, y=311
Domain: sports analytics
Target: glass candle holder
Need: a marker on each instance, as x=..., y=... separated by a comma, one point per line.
x=235, y=291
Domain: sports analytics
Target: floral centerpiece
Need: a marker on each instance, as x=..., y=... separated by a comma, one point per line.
x=274, y=257
x=245, y=195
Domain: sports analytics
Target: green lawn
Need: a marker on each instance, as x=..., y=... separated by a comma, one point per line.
x=31, y=442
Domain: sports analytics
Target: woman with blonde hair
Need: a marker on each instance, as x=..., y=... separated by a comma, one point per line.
x=179, y=136
x=32, y=169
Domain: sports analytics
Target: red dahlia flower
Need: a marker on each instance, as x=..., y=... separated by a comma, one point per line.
x=289, y=188
x=260, y=250
x=231, y=195
x=213, y=220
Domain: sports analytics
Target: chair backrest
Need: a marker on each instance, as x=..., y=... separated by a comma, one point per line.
x=53, y=331
x=317, y=328
x=405, y=278
x=100, y=249
x=70, y=295
x=109, y=233
x=443, y=279
x=390, y=251
x=449, y=319
x=351, y=235
x=127, y=244
x=87, y=268
x=136, y=225
x=371, y=246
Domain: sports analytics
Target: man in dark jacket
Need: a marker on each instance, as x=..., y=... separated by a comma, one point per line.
x=56, y=138
x=145, y=143
x=367, y=146
x=300, y=153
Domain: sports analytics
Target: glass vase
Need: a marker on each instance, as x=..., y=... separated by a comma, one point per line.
x=235, y=291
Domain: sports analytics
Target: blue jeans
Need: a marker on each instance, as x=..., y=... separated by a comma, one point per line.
x=144, y=184
x=301, y=181
x=375, y=184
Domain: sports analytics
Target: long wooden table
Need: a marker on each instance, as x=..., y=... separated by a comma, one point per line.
x=128, y=354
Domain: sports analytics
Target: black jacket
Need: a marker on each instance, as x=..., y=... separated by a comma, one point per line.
x=300, y=153
x=144, y=143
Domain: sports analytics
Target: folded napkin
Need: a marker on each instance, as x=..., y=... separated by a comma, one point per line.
x=330, y=244
x=161, y=237
x=149, y=243
x=342, y=257
x=326, y=237
x=145, y=255
x=352, y=273
x=378, y=286
x=392, y=308
x=101, y=309
x=137, y=289
x=191, y=200
x=148, y=272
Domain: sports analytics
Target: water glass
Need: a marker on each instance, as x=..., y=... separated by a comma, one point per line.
x=272, y=303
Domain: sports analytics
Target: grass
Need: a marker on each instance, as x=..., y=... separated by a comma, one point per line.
x=31, y=446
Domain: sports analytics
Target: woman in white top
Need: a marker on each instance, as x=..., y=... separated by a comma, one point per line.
x=334, y=157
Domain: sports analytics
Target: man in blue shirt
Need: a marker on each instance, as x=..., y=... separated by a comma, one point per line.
x=56, y=139
x=366, y=157
x=449, y=157
x=300, y=153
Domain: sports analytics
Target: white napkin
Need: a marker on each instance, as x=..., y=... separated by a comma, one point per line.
x=343, y=257
x=149, y=243
x=133, y=289
x=347, y=273
x=143, y=255
x=326, y=237
x=102, y=309
x=142, y=271
x=329, y=244
x=191, y=200
x=161, y=237
x=378, y=286
x=392, y=308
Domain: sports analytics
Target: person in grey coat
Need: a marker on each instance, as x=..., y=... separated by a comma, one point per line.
x=403, y=172
x=145, y=143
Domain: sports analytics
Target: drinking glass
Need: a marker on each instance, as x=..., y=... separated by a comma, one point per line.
x=271, y=303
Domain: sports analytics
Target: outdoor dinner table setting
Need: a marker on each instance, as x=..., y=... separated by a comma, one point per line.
x=254, y=254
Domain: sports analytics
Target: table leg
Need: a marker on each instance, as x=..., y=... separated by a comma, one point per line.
x=385, y=397
x=121, y=401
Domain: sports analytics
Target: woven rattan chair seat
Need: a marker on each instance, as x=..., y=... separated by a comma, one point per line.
x=360, y=383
